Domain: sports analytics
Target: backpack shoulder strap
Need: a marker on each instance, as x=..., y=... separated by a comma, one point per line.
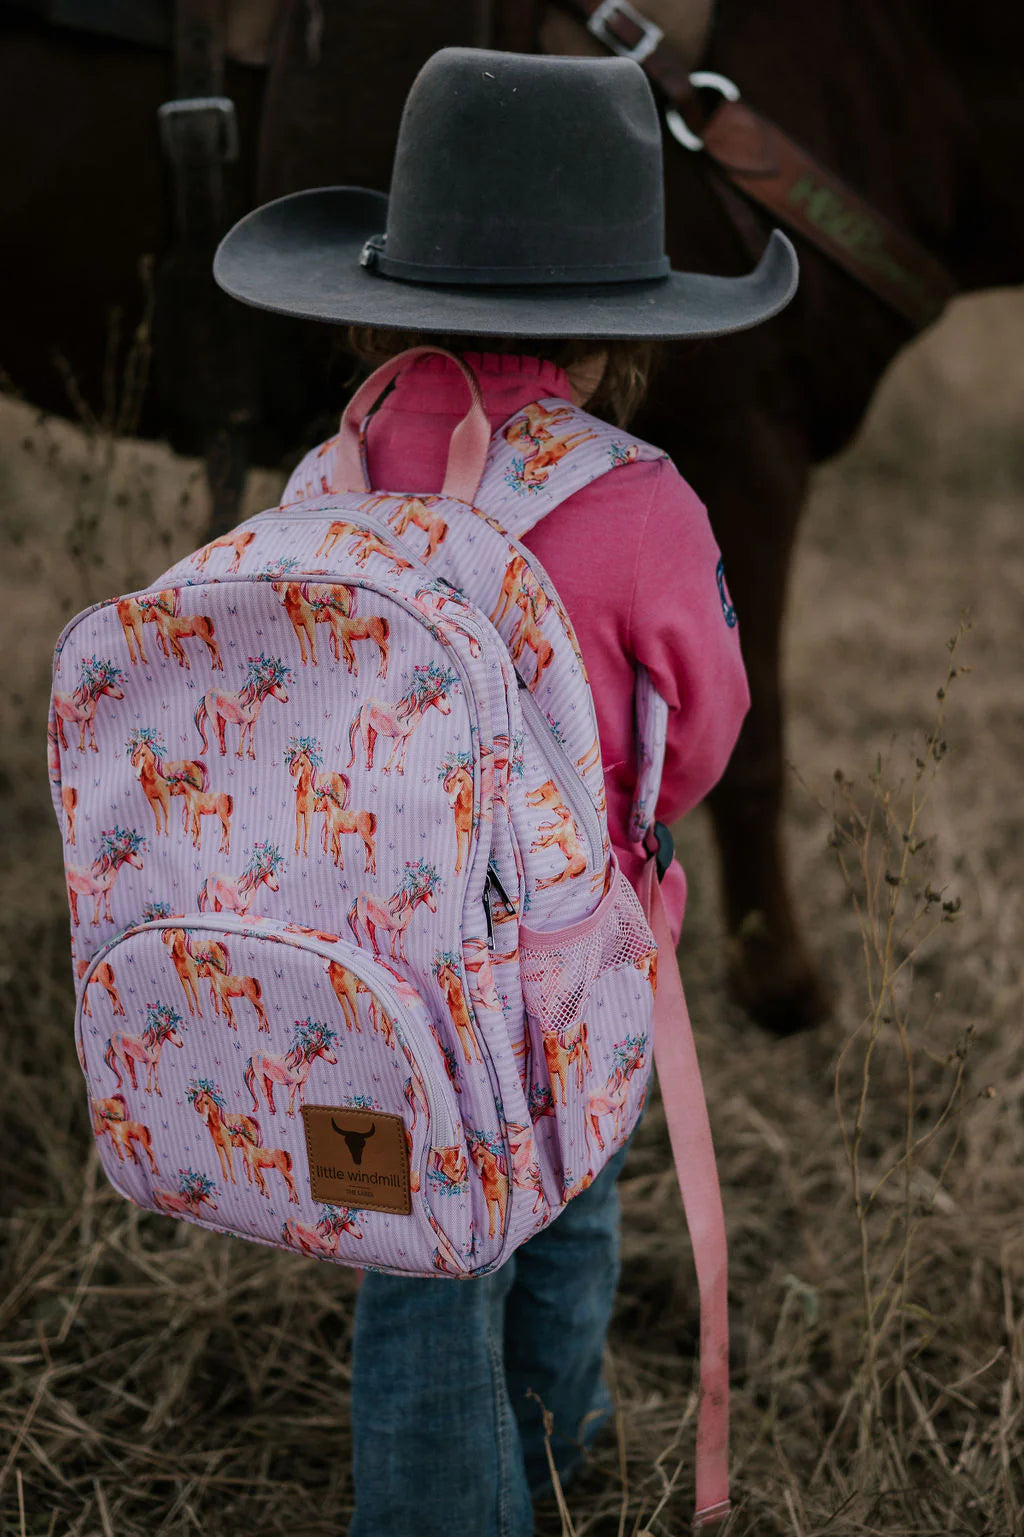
x=543, y=454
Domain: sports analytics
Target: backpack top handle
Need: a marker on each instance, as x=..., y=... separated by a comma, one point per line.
x=470, y=441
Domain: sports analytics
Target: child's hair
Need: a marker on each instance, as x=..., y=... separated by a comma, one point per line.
x=628, y=366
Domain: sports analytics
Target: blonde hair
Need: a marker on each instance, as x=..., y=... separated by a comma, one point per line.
x=627, y=371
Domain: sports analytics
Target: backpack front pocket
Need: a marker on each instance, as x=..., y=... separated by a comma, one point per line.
x=282, y=1085
x=589, y=997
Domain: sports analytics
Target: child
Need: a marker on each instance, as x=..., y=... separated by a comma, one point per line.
x=524, y=231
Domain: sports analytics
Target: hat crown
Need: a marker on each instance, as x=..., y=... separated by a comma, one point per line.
x=514, y=168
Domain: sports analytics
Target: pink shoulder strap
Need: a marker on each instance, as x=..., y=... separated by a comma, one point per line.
x=682, y=1094
x=470, y=441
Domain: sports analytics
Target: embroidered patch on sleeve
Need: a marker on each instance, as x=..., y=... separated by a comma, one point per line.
x=723, y=592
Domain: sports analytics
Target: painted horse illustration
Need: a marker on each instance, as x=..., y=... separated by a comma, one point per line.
x=338, y=822
x=103, y=976
x=119, y=846
x=525, y=1167
x=312, y=1040
x=304, y=758
x=446, y=970
x=266, y=679
x=134, y=1051
x=430, y=688
x=562, y=834
x=347, y=986
x=528, y=633
x=200, y=802
x=532, y=426
x=238, y=541
x=133, y=614
x=99, y=678
x=308, y=604
x=321, y=1241
x=224, y=985
x=256, y=1157
x=207, y=1100
x=457, y=782
x=537, y=466
x=110, y=1118
x=172, y=626
x=611, y=1100
x=491, y=1163
x=159, y=778
x=415, y=512
x=236, y=894
x=194, y=1191
x=420, y=883
x=185, y=963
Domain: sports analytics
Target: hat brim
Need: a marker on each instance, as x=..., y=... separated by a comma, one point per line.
x=300, y=256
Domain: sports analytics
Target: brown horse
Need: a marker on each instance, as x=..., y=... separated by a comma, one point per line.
x=916, y=103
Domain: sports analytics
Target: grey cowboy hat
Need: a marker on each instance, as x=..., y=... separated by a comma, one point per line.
x=526, y=200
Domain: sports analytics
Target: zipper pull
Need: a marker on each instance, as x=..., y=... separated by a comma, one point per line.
x=489, y=920
x=494, y=879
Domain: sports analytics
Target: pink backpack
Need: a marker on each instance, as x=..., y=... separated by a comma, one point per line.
x=357, y=972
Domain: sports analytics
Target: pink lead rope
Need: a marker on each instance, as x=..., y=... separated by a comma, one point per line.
x=682, y=1094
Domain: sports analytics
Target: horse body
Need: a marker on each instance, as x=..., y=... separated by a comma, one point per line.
x=744, y=427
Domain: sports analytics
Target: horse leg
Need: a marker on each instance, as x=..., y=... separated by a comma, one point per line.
x=772, y=974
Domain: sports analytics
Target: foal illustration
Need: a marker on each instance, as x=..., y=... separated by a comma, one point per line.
x=110, y=1117
x=159, y=778
x=214, y=965
x=103, y=976
x=304, y=758
x=172, y=626
x=308, y=604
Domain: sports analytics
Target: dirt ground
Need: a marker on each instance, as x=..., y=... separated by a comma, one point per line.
x=157, y=1379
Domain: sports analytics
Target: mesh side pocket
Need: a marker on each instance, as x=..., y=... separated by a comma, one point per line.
x=589, y=995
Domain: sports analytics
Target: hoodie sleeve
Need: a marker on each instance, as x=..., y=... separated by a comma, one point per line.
x=683, y=628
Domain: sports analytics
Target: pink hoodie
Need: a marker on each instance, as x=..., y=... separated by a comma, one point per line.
x=633, y=559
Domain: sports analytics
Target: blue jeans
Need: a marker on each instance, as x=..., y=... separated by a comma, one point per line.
x=444, y=1435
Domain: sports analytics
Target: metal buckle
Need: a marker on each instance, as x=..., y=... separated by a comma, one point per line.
x=188, y=111
x=704, y=79
x=651, y=35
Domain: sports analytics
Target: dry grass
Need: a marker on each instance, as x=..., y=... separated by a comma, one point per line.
x=158, y=1379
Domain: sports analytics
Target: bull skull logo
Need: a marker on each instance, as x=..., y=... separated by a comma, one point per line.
x=355, y=1141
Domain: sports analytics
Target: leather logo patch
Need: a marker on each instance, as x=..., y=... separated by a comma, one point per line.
x=357, y=1158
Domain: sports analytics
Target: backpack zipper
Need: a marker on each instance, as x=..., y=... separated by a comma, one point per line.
x=566, y=776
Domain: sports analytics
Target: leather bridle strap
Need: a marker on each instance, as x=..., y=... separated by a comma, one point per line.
x=773, y=170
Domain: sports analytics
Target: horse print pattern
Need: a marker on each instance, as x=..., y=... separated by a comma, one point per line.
x=383, y=840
